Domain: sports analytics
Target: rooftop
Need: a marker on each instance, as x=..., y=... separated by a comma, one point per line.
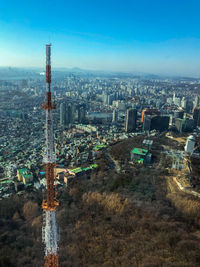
x=24, y=172
x=147, y=142
x=99, y=147
x=6, y=181
x=140, y=160
x=79, y=169
x=139, y=151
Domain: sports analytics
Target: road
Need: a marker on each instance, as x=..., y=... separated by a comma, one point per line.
x=115, y=163
x=185, y=189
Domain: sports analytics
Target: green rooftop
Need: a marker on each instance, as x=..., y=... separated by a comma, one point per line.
x=98, y=147
x=94, y=165
x=77, y=170
x=24, y=173
x=6, y=181
x=139, y=151
x=139, y=160
x=87, y=168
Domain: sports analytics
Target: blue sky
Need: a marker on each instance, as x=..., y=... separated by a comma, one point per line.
x=156, y=36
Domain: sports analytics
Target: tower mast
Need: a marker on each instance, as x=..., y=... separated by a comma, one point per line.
x=50, y=230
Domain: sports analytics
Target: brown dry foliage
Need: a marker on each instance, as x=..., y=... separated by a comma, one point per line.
x=111, y=202
x=30, y=210
x=189, y=206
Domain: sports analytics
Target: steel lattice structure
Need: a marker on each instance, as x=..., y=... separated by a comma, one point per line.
x=50, y=230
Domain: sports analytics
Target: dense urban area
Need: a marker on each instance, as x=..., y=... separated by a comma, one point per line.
x=127, y=167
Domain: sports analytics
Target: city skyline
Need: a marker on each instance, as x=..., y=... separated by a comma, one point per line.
x=148, y=37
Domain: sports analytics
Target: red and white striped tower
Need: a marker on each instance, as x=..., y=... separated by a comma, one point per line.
x=50, y=230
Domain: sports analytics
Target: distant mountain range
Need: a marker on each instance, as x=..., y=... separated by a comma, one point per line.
x=34, y=72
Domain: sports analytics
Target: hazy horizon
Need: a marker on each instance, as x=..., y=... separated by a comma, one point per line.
x=133, y=72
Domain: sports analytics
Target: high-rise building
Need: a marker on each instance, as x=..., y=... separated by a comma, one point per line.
x=169, y=100
x=105, y=98
x=131, y=120
x=184, y=103
x=184, y=125
x=108, y=98
x=69, y=114
x=63, y=117
x=178, y=114
x=174, y=97
x=73, y=108
x=149, y=111
x=177, y=101
x=189, y=106
x=196, y=102
x=196, y=116
x=190, y=144
x=155, y=122
x=81, y=113
x=115, y=116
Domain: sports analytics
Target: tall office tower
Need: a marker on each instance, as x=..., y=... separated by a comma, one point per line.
x=196, y=102
x=63, y=117
x=178, y=114
x=131, y=92
x=131, y=120
x=136, y=90
x=81, y=114
x=115, y=116
x=196, y=116
x=105, y=98
x=155, y=122
x=174, y=97
x=177, y=101
x=169, y=100
x=184, y=125
x=73, y=111
x=69, y=114
x=109, y=100
x=184, y=103
x=149, y=111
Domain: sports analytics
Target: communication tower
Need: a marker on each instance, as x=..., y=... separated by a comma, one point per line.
x=50, y=230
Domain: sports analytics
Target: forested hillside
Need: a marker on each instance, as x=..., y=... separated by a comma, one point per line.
x=107, y=219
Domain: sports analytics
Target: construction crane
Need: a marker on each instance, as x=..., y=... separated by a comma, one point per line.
x=50, y=230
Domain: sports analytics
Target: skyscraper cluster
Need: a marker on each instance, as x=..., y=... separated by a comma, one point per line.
x=70, y=112
x=67, y=113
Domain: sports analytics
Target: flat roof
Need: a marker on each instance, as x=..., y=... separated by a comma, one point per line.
x=94, y=165
x=139, y=151
x=77, y=170
x=24, y=172
x=87, y=168
x=6, y=181
x=147, y=142
x=99, y=147
x=140, y=160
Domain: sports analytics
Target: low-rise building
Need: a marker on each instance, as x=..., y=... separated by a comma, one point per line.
x=190, y=144
x=24, y=176
x=140, y=155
